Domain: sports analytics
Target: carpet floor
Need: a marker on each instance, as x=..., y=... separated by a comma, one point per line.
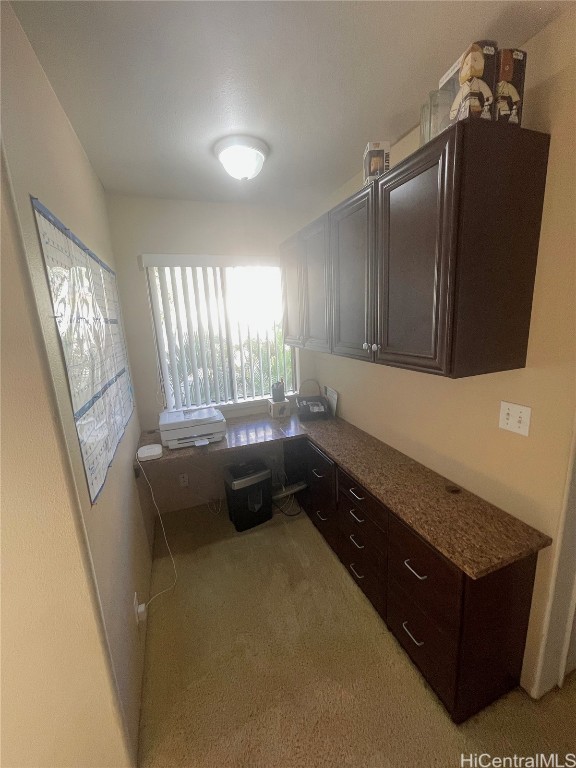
x=267, y=655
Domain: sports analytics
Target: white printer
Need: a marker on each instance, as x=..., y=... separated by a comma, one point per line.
x=191, y=426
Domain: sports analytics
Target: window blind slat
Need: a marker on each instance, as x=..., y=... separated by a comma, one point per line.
x=277, y=355
x=181, y=345
x=242, y=362
x=209, y=311
x=170, y=338
x=269, y=361
x=191, y=334
x=201, y=339
x=153, y=284
x=229, y=335
x=259, y=348
x=223, y=347
x=285, y=369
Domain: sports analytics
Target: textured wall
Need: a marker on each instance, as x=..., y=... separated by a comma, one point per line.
x=45, y=159
x=452, y=426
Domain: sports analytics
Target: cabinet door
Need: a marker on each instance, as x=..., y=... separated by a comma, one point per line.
x=315, y=273
x=351, y=255
x=416, y=234
x=291, y=256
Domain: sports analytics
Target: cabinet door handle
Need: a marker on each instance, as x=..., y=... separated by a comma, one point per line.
x=320, y=516
x=375, y=347
x=365, y=345
x=411, y=636
x=353, y=540
x=360, y=498
x=315, y=473
x=355, y=572
x=355, y=517
x=407, y=564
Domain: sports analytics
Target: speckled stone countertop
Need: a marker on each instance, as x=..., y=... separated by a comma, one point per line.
x=473, y=534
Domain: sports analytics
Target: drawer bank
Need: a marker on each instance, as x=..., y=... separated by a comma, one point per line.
x=449, y=573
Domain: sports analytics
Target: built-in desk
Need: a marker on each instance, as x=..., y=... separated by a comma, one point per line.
x=240, y=433
x=472, y=533
x=450, y=574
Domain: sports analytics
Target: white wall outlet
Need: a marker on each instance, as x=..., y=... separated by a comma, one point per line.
x=515, y=418
x=140, y=610
x=183, y=480
x=136, y=617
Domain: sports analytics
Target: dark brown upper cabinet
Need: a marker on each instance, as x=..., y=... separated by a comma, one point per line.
x=306, y=279
x=457, y=232
x=316, y=285
x=351, y=256
x=432, y=267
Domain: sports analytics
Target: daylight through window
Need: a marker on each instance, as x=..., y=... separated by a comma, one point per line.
x=219, y=333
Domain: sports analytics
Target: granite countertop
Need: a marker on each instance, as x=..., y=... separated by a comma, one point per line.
x=472, y=533
x=252, y=430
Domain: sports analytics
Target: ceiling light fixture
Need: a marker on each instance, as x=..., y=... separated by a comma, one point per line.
x=241, y=156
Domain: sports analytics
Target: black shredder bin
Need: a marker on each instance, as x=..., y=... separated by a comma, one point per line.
x=248, y=494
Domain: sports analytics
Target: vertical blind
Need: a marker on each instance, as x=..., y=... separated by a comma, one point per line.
x=219, y=333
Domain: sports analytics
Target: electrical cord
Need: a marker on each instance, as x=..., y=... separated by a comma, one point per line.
x=165, y=538
x=288, y=505
x=212, y=506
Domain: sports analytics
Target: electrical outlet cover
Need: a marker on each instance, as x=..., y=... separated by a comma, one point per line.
x=515, y=418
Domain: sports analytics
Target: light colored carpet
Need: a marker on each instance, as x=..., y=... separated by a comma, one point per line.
x=266, y=655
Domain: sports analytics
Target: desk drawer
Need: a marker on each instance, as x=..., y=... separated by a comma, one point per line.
x=320, y=469
x=434, y=652
x=433, y=583
x=361, y=499
x=327, y=526
x=370, y=577
x=355, y=523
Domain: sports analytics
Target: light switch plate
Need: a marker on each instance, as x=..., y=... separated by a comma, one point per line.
x=515, y=418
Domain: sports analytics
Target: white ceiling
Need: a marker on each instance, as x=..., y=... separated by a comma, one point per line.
x=150, y=86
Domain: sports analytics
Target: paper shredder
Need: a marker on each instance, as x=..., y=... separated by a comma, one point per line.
x=248, y=494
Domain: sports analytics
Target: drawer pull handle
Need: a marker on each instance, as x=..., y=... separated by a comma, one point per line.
x=354, y=571
x=353, y=540
x=406, y=563
x=320, y=516
x=360, y=498
x=356, y=518
x=315, y=473
x=411, y=636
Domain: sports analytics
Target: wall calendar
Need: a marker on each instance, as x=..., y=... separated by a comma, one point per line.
x=87, y=312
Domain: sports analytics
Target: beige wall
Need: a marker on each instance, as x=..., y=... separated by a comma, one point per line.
x=45, y=159
x=148, y=225
x=58, y=698
x=452, y=426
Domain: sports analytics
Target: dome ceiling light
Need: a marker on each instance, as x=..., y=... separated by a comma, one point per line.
x=241, y=156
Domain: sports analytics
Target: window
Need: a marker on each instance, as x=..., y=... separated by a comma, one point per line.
x=219, y=333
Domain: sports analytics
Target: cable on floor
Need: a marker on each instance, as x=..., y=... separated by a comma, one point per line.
x=288, y=505
x=165, y=538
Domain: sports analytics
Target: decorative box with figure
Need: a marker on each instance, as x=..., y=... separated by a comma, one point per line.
x=510, y=88
x=472, y=82
x=376, y=160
